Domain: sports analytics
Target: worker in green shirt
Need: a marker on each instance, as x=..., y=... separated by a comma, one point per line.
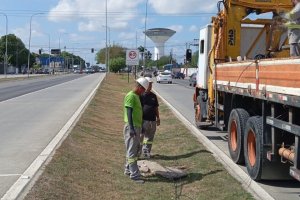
x=133, y=118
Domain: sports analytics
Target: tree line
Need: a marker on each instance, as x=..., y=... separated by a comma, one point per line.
x=18, y=56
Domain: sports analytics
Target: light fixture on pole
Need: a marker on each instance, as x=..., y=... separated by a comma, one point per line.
x=30, y=41
x=5, y=62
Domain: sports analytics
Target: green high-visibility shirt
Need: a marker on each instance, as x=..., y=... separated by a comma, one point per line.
x=132, y=100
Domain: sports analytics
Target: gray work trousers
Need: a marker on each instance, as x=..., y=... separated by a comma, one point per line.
x=294, y=49
x=149, y=128
x=132, y=145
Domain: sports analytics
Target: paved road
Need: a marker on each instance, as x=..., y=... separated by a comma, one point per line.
x=29, y=122
x=14, y=88
x=179, y=95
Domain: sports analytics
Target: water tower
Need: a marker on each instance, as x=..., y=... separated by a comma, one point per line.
x=159, y=36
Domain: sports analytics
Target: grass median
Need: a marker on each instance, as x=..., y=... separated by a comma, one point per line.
x=89, y=164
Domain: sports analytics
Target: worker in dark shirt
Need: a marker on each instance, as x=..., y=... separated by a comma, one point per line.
x=150, y=118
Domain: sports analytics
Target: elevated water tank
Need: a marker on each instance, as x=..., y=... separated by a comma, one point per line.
x=159, y=36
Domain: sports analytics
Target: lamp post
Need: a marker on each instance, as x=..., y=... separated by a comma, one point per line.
x=5, y=61
x=49, y=50
x=144, y=57
x=29, y=41
x=60, y=37
x=106, y=52
x=59, y=46
x=107, y=27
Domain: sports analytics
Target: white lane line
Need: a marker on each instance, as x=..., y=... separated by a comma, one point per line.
x=7, y=175
x=16, y=189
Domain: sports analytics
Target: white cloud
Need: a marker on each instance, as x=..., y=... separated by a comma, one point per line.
x=186, y=6
x=177, y=28
x=127, y=36
x=91, y=14
x=194, y=28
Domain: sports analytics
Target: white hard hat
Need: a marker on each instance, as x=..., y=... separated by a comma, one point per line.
x=143, y=82
x=149, y=79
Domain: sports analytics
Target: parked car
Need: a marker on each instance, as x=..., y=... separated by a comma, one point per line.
x=193, y=79
x=165, y=76
x=179, y=75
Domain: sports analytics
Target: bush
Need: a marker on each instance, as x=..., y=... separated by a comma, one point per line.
x=116, y=64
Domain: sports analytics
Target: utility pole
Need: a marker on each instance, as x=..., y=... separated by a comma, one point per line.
x=28, y=61
x=5, y=58
x=106, y=52
x=171, y=56
x=144, y=59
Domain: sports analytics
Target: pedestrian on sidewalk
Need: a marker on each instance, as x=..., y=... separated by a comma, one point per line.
x=150, y=118
x=133, y=118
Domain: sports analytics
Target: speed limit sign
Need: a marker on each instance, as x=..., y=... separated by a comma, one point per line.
x=132, y=57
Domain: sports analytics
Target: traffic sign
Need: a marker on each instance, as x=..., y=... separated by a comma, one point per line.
x=55, y=51
x=132, y=57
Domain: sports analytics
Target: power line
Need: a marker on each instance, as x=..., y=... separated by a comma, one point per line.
x=22, y=13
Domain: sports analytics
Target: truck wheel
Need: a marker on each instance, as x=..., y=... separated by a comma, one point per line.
x=253, y=146
x=236, y=125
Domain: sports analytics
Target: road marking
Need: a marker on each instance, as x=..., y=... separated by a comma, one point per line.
x=7, y=175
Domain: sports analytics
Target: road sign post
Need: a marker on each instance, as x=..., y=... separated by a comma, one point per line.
x=132, y=58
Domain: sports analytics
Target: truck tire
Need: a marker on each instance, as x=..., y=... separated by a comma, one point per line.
x=253, y=146
x=236, y=126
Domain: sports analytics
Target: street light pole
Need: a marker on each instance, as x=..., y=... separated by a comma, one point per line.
x=108, y=55
x=5, y=62
x=107, y=47
x=29, y=41
x=144, y=57
x=59, y=47
x=49, y=50
x=60, y=37
x=106, y=52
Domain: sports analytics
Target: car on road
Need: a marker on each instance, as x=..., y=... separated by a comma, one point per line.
x=102, y=70
x=165, y=76
x=179, y=75
x=89, y=70
x=193, y=79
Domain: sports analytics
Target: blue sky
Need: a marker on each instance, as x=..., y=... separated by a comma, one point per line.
x=79, y=25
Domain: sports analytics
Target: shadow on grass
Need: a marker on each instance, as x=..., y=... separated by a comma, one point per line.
x=190, y=178
x=176, y=157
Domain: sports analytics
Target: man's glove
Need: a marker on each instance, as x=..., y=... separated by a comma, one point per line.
x=132, y=132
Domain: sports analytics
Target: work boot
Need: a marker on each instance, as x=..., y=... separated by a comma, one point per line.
x=147, y=155
x=127, y=172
